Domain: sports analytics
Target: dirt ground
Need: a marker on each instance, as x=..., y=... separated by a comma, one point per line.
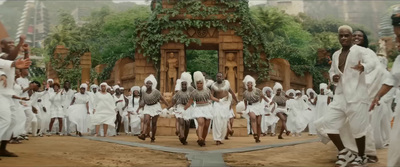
x=233, y=142
x=73, y=151
x=312, y=154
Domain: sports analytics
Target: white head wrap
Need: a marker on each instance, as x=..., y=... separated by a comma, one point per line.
x=267, y=88
x=135, y=88
x=103, y=83
x=50, y=80
x=186, y=77
x=323, y=86
x=290, y=91
x=152, y=79
x=309, y=90
x=277, y=86
x=115, y=87
x=178, y=85
x=93, y=86
x=297, y=91
x=198, y=76
x=121, y=88
x=83, y=86
x=248, y=79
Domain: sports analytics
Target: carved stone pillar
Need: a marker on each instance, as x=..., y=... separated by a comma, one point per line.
x=86, y=64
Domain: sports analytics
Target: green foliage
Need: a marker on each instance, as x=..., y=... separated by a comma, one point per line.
x=68, y=35
x=150, y=36
x=202, y=60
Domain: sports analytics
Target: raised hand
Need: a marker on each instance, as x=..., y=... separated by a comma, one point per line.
x=23, y=63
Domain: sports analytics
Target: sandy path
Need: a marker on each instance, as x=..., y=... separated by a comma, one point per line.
x=73, y=151
x=312, y=154
x=233, y=142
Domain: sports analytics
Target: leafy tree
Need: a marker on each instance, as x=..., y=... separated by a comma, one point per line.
x=202, y=60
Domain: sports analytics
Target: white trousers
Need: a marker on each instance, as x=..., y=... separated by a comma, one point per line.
x=394, y=146
x=7, y=121
x=20, y=119
x=29, y=118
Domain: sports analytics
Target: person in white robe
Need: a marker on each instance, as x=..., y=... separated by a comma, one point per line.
x=270, y=119
x=19, y=113
x=393, y=81
x=7, y=119
x=298, y=114
x=322, y=100
x=79, y=110
x=23, y=81
x=133, y=105
x=121, y=104
x=348, y=70
x=68, y=96
x=221, y=89
x=104, y=111
x=311, y=102
x=56, y=110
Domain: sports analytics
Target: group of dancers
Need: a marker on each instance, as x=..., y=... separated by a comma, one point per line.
x=341, y=115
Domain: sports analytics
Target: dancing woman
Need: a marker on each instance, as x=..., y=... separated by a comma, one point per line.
x=252, y=97
x=151, y=108
x=202, y=110
x=133, y=105
x=104, y=110
x=281, y=110
x=79, y=110
x=56, y=108
x=180, y=99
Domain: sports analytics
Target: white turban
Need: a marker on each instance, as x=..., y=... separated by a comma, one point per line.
x=103, y=83
x=309, y=90
x=324, y=87
x=178, y=85
x=267, y=88
x=93, y=86
x=186, y=77
x=198, y=76
x=277, y=86
x=50, y=80
x=248, y=79
x=290, y=91
x=152, y=79
x=297, y=91
x=115, y=87
x=135, y=88
x=83, y=86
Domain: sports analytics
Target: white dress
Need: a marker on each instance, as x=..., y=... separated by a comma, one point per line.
x=78, y=112
x=19, y=113
x=135, y=117
x=270, y=112
x=298, y=112
x=56, y=110
x=322, y=105
x=313, y=117
x=104, y=110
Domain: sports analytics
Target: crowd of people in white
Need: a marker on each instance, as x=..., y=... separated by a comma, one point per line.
x=338, y=113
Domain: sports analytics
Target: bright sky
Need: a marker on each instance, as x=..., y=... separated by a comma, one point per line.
x=251, y=2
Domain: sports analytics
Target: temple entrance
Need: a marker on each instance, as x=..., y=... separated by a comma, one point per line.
x=202, y=60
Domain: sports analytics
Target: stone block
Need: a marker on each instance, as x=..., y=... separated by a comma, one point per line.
x=163, y=122
x=165, y=131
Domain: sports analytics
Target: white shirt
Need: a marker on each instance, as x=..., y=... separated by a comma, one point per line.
x=352, y=84
x=24, y=83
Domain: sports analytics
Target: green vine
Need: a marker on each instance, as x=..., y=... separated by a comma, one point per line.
x=150, y=36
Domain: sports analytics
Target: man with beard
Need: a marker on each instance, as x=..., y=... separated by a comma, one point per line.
x=221, y=90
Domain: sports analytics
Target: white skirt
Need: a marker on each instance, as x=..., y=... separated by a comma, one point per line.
x=280, y=110
x=56, y=112
x=78, y=115
x=202, y=111
x=152, y=110
x=180, y=112
x=256, y=108
x=104, y=117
